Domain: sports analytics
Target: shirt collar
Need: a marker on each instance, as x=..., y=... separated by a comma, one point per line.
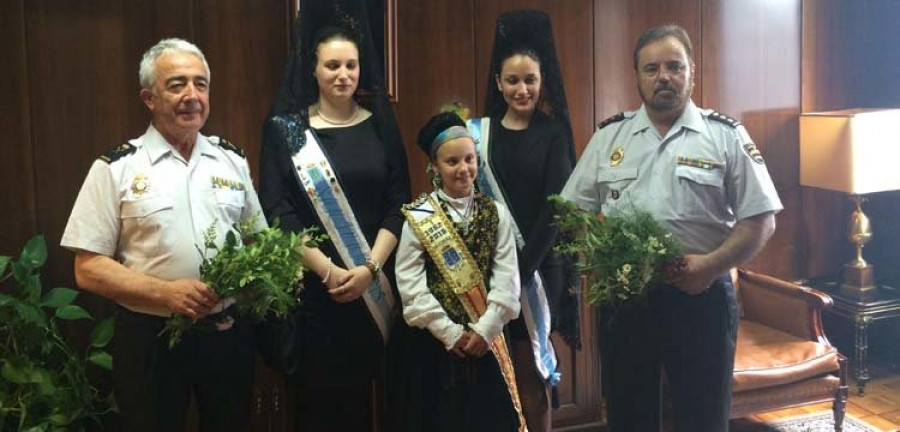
x=157, y=146
x=690, y=119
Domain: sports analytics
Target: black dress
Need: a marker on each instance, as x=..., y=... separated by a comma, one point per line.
x=336, y=345
x=530, y=165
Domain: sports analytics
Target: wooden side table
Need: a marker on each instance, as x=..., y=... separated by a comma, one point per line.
x=861, y=313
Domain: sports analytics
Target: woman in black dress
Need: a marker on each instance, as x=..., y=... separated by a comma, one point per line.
x=527, y=154
x=321, y=128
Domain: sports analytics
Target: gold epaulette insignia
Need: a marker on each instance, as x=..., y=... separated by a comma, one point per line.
x=722, y=118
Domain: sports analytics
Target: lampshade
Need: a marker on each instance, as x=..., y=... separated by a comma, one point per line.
x=855, y=151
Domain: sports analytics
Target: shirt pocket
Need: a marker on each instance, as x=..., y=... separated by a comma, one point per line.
x=613, y=183
x=231, y=205
x=699, y=191
x=147, y=224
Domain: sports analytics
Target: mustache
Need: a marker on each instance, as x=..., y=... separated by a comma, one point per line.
x=190, y=107
x=664, y=87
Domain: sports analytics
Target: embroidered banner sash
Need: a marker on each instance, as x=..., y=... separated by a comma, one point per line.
x=327, y=196
x=535, y=307
x=457, y=266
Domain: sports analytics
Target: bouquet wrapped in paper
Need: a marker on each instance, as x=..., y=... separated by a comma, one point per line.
x=621, y=254
x=253, y=273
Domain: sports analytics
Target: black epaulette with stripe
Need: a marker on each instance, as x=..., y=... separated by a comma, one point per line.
x=614, y=119
x=722, y=118
x=227, y=145
x=118, y=153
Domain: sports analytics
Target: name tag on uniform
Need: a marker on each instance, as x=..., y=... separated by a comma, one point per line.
x=704, y=163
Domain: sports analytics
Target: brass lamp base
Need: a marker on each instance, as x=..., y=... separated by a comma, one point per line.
x=858, y=281
x=859, y=276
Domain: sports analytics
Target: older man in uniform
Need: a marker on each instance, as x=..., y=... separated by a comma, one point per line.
x=135, y=228
x=700, y=175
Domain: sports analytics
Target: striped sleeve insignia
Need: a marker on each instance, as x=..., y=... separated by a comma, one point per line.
x=118, y=153
x=227, y=145
x=614, y=119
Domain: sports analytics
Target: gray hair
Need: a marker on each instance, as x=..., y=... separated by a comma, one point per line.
x=147, y=72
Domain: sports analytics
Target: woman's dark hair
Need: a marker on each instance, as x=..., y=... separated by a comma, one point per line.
x=529, y=33
x=320, y=21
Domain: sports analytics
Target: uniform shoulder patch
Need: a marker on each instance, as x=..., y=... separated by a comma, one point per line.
x=754, y=153
x=722, y=118
x=227, y=145
x=118, y=153
x=614, y=119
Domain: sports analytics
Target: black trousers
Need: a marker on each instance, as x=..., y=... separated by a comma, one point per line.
x=691, y=338
x=153, y=384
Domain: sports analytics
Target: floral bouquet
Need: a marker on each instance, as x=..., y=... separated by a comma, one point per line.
x=621, y=254
x=256, y=272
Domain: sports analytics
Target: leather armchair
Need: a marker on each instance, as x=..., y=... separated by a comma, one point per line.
x=783, y=358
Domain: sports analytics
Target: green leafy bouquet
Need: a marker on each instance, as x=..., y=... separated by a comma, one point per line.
x=259, y=272
x=44, y=385
x=621, y=254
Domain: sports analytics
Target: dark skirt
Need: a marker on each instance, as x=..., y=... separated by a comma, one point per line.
x=443, y=393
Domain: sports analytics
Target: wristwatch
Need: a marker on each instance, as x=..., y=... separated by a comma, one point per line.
x=373, y=266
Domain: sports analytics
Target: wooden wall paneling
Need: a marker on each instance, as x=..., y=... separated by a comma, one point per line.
x=827, y=61
x=435, y=45
x=19, y=221
x=617, y=26
x=878, y=43
x=246, y=44
x=751, y=71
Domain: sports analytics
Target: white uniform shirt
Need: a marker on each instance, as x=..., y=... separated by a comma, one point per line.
x=421, y=309
x=697, y=181
x=148, y=209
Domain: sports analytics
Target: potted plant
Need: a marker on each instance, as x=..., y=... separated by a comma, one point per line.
x=44, y=386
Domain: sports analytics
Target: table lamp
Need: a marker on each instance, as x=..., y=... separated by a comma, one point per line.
x=857, y=152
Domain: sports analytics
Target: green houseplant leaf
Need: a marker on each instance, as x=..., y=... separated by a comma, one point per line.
x=102, y=333
x=34, y=254
x=4, y=262
x=102, y=359
x=44, y=386
x=72, y=312
x=59, y=297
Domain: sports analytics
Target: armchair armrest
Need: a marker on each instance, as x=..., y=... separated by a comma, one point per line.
x=786, y=306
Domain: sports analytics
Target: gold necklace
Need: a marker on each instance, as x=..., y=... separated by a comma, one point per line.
x=338, y=122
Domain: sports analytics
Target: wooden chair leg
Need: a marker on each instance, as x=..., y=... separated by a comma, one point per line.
x=840, y=396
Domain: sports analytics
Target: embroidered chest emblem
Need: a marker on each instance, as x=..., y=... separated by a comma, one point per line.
x=616, y=158
x=223, y=183
x=140, y=185
x=451, y=257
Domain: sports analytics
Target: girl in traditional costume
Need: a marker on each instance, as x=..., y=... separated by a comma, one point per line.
x=457, y=275
x=526, y=152
x=332, y=158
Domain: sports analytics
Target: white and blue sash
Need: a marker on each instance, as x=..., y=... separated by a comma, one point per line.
x=326, y=195
x=535, y=308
